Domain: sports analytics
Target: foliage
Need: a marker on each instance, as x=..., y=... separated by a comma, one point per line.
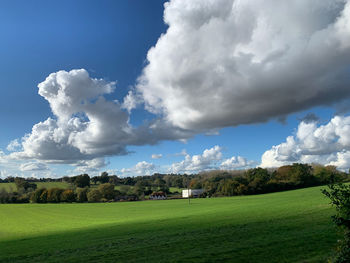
x=54, y=195
x=82, y=194
x=104, y=178
x=107, y=191
x=82, y=180
x=339, y=194
x=215, y=183
x=24, y=185
x=68, y=195
x=94, y=195
x=39, y=196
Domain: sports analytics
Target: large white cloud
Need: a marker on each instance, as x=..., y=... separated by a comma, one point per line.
x=236, y=162
x=85, y=125
x=225, y=62
x=141, y=168
x=210, y=159
x=192, y=164
x=327, y=144
x=220, y=63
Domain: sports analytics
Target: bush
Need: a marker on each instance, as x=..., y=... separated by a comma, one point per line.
x=67, y=196
x=107, y=191
x=5, y=197
x=94, y=196
x=339, y=195
x=82, y=194
x=39, y=196
x=54, y=195
x=23, y=185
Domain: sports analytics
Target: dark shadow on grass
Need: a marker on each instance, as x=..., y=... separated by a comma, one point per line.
x=186, y=239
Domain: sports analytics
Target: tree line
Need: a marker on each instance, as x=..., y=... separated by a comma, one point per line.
x=83, y=188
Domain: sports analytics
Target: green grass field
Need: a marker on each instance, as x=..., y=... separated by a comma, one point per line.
x=293, y=226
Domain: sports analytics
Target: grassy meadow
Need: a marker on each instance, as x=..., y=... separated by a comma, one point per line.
x=292, y=226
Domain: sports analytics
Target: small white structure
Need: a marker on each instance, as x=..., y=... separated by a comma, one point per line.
x=158, y=196
x=192, y=193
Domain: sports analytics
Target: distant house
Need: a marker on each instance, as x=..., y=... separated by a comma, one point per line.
x=192, y=193
x=158, y=196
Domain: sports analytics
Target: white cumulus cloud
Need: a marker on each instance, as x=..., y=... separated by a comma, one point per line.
x=141, y=168
x=225, y=63
x=236, y=162
x=327, y=144
x=192, y=164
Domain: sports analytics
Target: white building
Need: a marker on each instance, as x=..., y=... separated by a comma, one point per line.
x=192, y=193
x=158, y=196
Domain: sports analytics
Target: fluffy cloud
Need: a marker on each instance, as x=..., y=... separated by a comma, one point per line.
x=210, y=159
x=33, y=166
x=141, y=168
x=234, y=162
x=14, y=145
x=85, y=126
x=157, y=156
x=327, y=144
x=195, y=163
x=224, y=62
x=90, y=166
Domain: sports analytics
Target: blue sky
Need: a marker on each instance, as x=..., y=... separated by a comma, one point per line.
x=110, y=40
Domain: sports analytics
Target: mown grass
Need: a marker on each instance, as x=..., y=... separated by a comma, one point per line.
x=293, y=226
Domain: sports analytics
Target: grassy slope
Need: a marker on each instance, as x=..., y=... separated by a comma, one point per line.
x=292, y=226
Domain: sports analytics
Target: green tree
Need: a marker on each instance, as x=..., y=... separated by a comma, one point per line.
x=107, y=191
x=139, y=188
x=23, y=185
x=104, y=178
x=82, y=194
x=54, y=195
x=36, y=196
x=82, y=180
x=94, y=195
x=67, y=196
x=339, y=194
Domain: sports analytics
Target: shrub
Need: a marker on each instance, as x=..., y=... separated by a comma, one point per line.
x=339, y=195
x=5, y=197
x=54, y=195
x=43, y=196
x=39, y=196
x=82, y=194
x=107, y=191
x=67, y=196
x=23, y=185
x=94, y=195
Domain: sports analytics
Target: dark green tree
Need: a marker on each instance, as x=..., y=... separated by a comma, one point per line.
x=339, y=194
x=82, y=194
x=94, y=195
x=107, y=191
x=82, y=181
x=68, y=196
x=54, y=195
x=104, y=178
